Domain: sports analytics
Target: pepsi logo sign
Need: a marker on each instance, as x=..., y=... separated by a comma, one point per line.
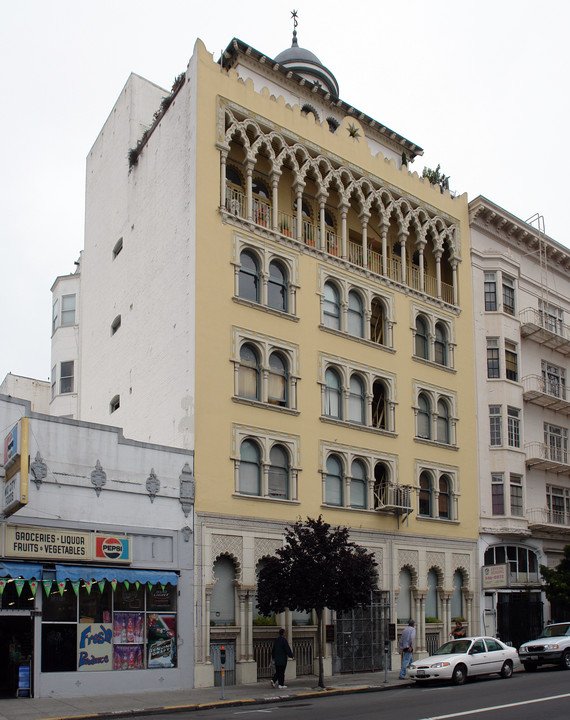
x=112, y=548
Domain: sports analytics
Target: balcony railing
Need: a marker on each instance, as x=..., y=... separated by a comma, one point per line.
x=547, y=457
x=548, y=393
x=310, y=235
x=545, y=330
x=394, y=498
x=543, y=517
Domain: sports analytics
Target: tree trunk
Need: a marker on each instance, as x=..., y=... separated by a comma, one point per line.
x=319, y=612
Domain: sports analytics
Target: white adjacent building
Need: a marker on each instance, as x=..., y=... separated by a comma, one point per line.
x=521, y=300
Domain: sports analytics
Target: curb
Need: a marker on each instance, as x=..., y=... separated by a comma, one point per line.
x=265, y=700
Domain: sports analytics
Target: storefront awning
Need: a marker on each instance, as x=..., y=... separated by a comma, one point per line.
x=24, y=570
x=131, y=575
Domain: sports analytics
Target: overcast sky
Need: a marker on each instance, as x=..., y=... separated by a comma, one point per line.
x=482, y=86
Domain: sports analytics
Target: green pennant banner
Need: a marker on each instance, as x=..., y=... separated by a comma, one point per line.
x=75, y=585
x=114, y=585
x=88, y=585
x=19, y=583
x=61, y=587
x=2, y=586
x=101, y=584
x=137, y=584
x=33, y=586
x=47, y=586
x=149, y=586
x=126, y=584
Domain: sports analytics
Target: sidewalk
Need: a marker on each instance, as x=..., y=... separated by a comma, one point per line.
x=140, y=703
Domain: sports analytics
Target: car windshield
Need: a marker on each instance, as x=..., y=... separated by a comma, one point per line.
x=453, y=647
x=556, y=630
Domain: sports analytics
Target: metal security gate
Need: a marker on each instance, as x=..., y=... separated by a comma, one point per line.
x=304, y=652
x=519, y=617
x=361, y=633
x=230, y=663
x=262, y=655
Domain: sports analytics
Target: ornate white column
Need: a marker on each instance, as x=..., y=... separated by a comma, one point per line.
x=384, y=236
x=242, y=595
x=275, y=175
x=206, y=626
x=364, y=218
x=421, y=247
x=224, y=156
x=402, y=237
x=455, y=288
x=322, y=224
x=343, y=237
x=437, y=254
x=299, y=189
x=249, y=192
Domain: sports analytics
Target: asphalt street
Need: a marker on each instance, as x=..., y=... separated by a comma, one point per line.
x=545, y=694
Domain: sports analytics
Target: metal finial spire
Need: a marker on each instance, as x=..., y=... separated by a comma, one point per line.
x=294, y=15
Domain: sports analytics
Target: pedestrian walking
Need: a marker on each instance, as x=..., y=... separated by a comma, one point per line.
x=280, y=652
x=407, y=647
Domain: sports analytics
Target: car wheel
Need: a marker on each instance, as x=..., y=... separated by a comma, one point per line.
x=566, y=660
x=530, y=667
x=507, y=669
x=459, y=675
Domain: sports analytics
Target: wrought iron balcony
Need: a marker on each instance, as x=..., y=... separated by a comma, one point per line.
x=394, y=498
x=546, y=393
x=547, y=457
x=548, y=520
x=545, y=330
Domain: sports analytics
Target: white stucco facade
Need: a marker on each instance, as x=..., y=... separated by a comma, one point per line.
x=86, y=482
x=522, y=344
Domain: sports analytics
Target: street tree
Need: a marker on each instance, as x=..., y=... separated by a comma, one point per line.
x=557, y=581
x=318, y=567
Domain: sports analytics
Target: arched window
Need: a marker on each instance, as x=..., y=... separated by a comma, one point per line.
x=277, y=286
x=331, y=307
x=358, y=485
x=426, y=487
x=379, y=405
x=431, y=596
x=331, y=244
x=404, y=609
x=442, y=422
x=250, y=468
x=444, y=504
x=222, y=602
x=377, y=322
x=421, y=340
x=249, y=277
x=355, y=315
x=334, y=481
x=258, y=187
x=356, y=401
x=333, y=394
x=440, y=345
x=278, y=380
x=233, y=176
x=381, y=477
x=278, y=472
x=248, y=373
x=424, y=417
x=333, y=124
x=457, y=597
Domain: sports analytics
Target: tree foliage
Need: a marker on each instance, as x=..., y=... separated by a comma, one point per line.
x=557, y=579
x=317, y=568
x=436, y=177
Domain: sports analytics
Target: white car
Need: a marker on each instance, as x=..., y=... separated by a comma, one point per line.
x=459, y=659
x=552, y=647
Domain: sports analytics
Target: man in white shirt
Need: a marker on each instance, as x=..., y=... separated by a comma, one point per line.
x=407, y=647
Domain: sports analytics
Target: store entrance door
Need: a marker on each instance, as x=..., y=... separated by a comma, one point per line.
x=519, y=617
x=16, y=645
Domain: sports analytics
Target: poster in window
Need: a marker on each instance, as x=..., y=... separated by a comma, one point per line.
x=161, y=640
x=128, y=657
x=94, y=646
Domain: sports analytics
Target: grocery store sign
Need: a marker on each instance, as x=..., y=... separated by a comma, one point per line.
x=44, y=543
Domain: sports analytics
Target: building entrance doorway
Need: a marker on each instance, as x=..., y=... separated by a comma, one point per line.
x=16, y=645
x=519, y=617
x=361, y=634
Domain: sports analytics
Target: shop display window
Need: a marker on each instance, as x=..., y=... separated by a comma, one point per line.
x=11, y=599
x=59, y=647
x=104, y=626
